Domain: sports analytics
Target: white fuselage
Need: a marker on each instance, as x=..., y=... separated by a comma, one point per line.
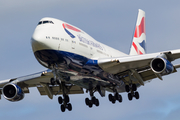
x=59, y=45
x=53, y=36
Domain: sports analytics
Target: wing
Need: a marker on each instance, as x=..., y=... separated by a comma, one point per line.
x=138, y=65
x=41, y=80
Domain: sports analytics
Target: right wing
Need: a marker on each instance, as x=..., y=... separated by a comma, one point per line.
x=41, y=80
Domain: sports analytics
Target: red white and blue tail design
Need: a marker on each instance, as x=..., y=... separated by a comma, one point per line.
x=138, y=46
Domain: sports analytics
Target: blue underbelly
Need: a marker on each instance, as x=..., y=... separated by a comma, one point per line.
x=87, y=69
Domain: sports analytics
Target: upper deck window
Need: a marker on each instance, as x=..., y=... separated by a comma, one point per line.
x=44, y=22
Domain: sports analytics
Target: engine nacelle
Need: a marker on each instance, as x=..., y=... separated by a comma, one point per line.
x=12, y=92
x=161, y=66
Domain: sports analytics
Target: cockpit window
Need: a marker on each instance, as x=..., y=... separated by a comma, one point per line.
x=40, y=23
x=44, y=22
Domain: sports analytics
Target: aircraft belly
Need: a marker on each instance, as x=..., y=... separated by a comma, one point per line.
x=91, y=82
x=78, y=69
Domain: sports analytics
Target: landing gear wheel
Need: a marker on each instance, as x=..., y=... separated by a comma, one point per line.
x=127, y=88
x=60, y=100
x=63, y=108
x=57, y=81
x=113, y=101
x=90, y=104
x=97, y=102
x=64, y=100
x=87, y=101
x=69, y=106
x=130, y=97
x=134, y=87
x=52, y=81
x=93, y=100
x=136, y=95
x=118, y=97
x=110, y=97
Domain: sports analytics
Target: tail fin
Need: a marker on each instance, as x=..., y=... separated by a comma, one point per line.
x=138, y=46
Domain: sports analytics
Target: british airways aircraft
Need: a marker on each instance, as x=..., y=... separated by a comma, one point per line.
x=75, y=61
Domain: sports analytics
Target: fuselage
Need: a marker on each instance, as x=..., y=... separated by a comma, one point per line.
x=73, y=53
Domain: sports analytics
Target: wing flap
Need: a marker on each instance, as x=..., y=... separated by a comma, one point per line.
x=147, y=75
x=55, y=90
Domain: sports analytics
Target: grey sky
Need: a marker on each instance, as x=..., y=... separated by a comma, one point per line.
x=109, y=21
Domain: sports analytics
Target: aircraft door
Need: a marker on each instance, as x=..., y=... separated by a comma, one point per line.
x=91, y=51
x=73, y=45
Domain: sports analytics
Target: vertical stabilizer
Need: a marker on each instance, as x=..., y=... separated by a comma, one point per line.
x=138, y=46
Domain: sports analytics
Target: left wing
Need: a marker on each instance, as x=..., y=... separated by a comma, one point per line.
x=141, y=65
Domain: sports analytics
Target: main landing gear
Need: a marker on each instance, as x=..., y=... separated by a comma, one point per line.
x=65, y=103
x=132, y=91
x=92, y=101
x=116, y=96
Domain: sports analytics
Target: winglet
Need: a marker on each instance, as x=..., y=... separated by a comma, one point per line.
x=139, y=40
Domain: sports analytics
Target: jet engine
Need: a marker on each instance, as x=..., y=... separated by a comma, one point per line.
x=161, y=66
x=12, y=92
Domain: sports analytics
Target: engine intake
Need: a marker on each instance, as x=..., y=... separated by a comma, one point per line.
x=12, y=92
x=161, y=66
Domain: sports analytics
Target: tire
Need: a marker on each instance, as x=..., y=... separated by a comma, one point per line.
x=113, y=101
x=52, y=81
x=60, y=100
x=69, y=106
x=130, y=97
x=110, y=97
x=93, y=100
x=120, y=98
x=97, y=102
x=87, y=101
x=136, y=95
x=63, y=108
x=57, y=81
x=90, y=104
x=134, y=87
x=127, y=88
x=116, y=96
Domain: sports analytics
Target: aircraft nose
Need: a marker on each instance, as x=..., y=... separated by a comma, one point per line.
x=37, y=40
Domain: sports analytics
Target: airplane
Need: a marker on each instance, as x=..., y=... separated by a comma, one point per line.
x=76, y=62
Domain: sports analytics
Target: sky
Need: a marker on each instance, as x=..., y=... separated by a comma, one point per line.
x=111, y=22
